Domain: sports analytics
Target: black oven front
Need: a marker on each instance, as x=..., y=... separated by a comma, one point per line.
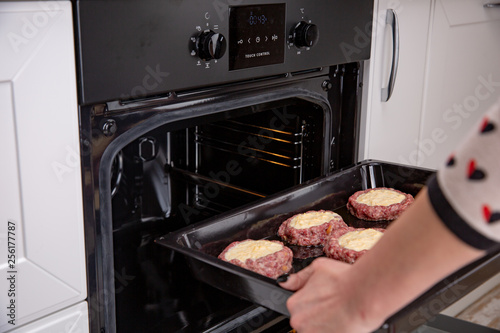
x=192, y=108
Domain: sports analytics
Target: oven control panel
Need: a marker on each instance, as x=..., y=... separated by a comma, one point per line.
x=257, y=36
x=132, y=49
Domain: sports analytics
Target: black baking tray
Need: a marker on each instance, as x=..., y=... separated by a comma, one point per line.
x=202, y=242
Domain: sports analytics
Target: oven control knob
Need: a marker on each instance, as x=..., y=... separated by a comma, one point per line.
x=305, y=34
x=210, y=45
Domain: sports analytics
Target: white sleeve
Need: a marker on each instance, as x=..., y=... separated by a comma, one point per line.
x=466, y=191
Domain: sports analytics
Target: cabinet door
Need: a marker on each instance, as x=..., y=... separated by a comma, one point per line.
x=42, y=261
x=390, y=129
x=463, y=74
x=71, y=320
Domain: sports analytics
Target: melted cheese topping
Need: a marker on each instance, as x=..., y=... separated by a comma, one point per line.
x=360, y=240
x=380, y=198
x=312, y=219
x=252, y=249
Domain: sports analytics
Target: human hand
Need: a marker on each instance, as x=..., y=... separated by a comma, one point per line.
x=325, y=300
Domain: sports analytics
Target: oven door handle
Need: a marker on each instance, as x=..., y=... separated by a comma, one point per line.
x=492, y=5
x=392, y=20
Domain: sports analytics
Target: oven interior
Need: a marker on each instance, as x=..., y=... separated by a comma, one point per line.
x=169, y=178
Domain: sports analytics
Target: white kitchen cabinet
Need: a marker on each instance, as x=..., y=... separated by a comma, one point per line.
x=391, y=128
x=71, y=320
x=463, y=74
x=448, y=75
x=42, y=261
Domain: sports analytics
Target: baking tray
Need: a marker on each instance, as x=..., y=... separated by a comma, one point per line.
x=202, y=242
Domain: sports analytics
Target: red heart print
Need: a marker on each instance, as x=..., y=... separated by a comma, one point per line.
x=487, y=126
x=474, y=173
x=490, y=216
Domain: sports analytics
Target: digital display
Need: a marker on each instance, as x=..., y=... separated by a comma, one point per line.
x=257, y=19
x=256, y=35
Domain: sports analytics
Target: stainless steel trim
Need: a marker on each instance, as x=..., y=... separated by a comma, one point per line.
x=119, y=171
x=392, y=20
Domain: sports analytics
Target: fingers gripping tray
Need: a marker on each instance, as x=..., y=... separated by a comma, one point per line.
x=203, y=242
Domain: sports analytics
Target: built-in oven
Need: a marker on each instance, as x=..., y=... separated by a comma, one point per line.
x=192, y=108
x=204, y=122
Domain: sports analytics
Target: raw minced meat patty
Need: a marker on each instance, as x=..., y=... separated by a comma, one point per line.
x=379, y=203
x=310, y=228
x=348, y=244
x=269, y=258
x=304, y=252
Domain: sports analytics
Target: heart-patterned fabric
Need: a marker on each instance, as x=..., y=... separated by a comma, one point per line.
x=470, y=180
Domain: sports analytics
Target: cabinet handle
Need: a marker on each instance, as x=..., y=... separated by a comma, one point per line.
x=392, y=20
x=492, y=5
